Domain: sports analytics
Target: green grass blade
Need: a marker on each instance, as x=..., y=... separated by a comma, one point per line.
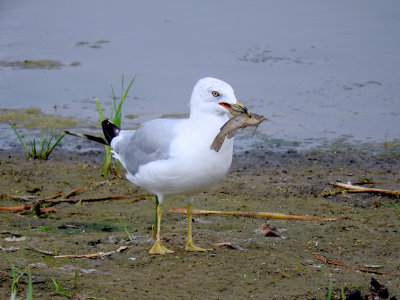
x=75, y=279
x=114, y=109
x=56, y=285
x=118, y=111
x=99, y=109
x=22, y=274
x=393, y=206
x=126, y=230
x=25, y=242
x=33, y=149
x=44, y=155
x=29, y=294
x=115, y=117
x=20, y=139
x=122, y=84
x=13, y=271
x=121, y=99
x=54, y=145
x=330, y=289
x=107, y=161
x=13, y=295
x=48, y=144
x=118, y=167
x=41, y=149
x=342, y=294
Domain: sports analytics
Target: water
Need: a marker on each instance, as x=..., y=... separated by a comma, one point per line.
x=319, y=70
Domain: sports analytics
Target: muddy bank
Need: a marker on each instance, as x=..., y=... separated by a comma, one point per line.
x=282, y=267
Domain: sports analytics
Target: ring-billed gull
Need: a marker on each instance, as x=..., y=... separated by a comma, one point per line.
x=173, y=156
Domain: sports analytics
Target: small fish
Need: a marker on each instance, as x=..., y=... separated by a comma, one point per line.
x=233, y=125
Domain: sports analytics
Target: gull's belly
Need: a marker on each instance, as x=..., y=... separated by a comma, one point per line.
x=188, y=174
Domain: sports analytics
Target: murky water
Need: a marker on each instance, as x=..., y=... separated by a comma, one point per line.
x=318, y=70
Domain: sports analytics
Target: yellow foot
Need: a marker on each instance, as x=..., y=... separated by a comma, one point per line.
x=159, y=248
x=192, y=247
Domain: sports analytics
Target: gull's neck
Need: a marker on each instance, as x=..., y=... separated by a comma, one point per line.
x=207, y=117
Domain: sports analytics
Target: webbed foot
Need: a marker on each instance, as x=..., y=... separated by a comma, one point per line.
x=159, y=248
x=190, y=246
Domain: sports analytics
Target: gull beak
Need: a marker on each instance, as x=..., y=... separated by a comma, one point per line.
x=236, y=108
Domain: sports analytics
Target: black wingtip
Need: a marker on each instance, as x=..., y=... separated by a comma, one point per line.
x=110, y=130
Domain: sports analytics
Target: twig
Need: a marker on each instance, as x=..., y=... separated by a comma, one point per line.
x=40, y=251
x=15, y=208
x=25, y=207
x=20, y=197
x=36, y=203
x=31, y=197
x=230, y=245
x=85, y=188
x=360, y=189
x=339, y=263
x=59, y=193
x=121, y=197
x=94, y=255
x=253, y=214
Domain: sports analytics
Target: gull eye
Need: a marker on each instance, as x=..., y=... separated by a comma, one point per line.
x=215, y=93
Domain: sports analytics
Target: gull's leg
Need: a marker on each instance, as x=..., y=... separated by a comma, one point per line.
x=154, y=227
x=158, y=247
x=190, y=246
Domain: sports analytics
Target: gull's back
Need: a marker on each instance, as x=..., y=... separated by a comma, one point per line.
x=150, y=142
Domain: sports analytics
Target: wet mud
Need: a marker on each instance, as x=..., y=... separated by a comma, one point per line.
x=260, y=265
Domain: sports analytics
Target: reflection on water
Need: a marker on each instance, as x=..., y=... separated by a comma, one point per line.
x=319, y=70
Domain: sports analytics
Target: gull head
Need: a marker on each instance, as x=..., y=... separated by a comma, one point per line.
x=216, y=97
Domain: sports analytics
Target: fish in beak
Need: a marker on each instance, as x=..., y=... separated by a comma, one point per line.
x=236, y=108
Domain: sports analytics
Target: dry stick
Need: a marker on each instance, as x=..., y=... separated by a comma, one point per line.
x=25, y=207
x=21, y=197
x=15, y=208
x=52, y=199
x=85, y=188
x=55, y=201
x=69, y=194
x=339, y=263
x=122, y=197
x=231, y=245
x=59, y=193
x=360, y=189
x=35, y=203
x=40, y=251
x=253, y=214
x=93, y=255
x=32, y=198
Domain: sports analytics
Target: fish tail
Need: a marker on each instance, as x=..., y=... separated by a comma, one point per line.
x=217, y=143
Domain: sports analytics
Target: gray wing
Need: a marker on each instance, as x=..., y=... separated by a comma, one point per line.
x=149, y=143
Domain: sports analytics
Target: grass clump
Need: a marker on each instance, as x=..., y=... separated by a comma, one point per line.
x=114, y=117
x=42, y=151
x=18, y=271
x=334, y=294
x=60, y=291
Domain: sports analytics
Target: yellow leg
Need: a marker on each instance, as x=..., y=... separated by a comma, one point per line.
x=158, y=247
x=190, y=246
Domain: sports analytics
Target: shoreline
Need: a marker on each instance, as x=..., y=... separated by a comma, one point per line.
x=261, y=180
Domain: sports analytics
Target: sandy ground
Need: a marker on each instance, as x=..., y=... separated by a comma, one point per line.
x=261, y=267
